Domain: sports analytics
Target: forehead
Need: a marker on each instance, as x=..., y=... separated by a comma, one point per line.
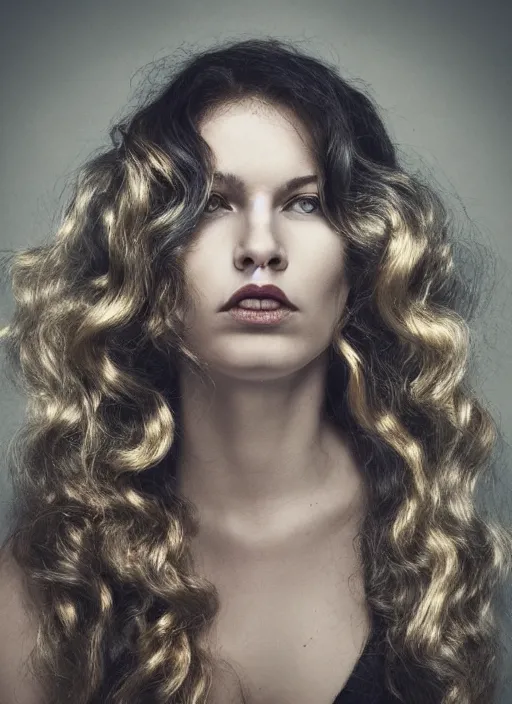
x=255, y=134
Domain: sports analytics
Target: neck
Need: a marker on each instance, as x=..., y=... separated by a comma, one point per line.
x=253, y=450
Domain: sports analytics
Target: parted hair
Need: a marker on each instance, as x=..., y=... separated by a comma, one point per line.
x=96, y=524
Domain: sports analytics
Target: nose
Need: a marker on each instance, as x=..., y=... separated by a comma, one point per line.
x=258, y=246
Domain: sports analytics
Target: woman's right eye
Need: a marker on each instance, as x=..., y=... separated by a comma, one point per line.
x=212, y=198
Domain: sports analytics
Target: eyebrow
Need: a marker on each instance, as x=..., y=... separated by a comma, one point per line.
x=235, y=182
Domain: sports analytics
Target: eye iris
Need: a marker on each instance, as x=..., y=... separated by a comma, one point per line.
x=310, y=201
x=212, y=197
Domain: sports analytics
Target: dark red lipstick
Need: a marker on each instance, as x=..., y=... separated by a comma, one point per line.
x=255, y=291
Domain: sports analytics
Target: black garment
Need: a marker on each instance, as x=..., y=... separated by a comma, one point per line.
x=366, y=683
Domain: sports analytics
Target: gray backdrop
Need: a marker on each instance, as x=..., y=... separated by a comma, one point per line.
x=440, y=70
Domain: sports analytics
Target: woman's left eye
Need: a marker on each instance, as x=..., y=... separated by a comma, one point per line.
x=312, y=200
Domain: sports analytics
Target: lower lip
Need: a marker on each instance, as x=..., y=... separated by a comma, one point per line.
x=259, y=317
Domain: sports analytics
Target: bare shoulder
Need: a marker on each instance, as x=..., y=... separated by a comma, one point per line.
x=17, y=637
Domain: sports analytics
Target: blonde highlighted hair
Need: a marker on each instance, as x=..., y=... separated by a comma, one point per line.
x=96, y=525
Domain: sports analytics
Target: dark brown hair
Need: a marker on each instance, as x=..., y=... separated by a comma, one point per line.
x=96, y=524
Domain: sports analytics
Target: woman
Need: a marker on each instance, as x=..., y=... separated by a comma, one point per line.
x=262, y=495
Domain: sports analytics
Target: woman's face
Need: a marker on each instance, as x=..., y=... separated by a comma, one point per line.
x=258, y=224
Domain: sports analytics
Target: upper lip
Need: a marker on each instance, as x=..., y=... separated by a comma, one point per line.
x=255, y=291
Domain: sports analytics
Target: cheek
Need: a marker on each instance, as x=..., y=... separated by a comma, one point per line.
x=207, y=291
x=202, y=274
x=325, y=272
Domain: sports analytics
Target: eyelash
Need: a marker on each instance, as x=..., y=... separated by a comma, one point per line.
x=313, y=199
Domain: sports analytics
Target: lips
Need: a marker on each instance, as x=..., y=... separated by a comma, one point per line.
x=254, y=291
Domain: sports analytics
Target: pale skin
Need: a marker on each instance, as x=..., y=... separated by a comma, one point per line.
x=278, y=491
x=258, y=458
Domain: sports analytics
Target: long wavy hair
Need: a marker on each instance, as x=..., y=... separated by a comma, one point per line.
x=96, y=525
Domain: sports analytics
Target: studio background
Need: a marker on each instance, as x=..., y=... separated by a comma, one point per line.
x=439, y=70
